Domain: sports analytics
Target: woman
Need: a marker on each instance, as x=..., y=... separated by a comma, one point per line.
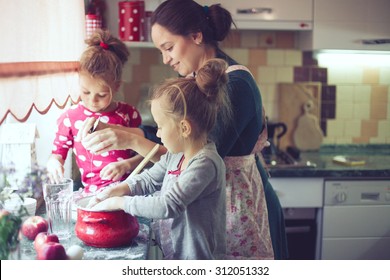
x=187, y=35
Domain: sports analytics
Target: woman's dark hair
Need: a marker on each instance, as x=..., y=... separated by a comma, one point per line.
x=184, y=17
x=197, y=99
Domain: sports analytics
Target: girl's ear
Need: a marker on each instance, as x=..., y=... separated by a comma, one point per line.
x=185, y=128
x=117, y=85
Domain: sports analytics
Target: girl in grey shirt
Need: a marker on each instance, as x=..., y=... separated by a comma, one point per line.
x=185, y=191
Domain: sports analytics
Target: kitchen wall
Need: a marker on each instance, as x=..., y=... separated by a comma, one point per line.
x=355, y=99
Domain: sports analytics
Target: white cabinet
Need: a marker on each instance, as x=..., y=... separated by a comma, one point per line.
x=299, y=192
x=268, y=14
x=349, y=25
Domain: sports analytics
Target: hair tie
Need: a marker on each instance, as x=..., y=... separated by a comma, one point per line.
x=206, y=10
x=104, y=45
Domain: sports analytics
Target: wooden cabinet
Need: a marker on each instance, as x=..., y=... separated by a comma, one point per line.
x=268, y=14
x=349, y=25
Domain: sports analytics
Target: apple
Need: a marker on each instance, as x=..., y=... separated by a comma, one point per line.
x=52, y=251
x=34, y=225
x=44, y=237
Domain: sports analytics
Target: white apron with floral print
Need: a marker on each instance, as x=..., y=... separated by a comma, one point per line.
x=248, y=234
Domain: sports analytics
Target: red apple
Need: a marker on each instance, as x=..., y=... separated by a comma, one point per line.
x=52, y=251
x=34, y=225
x=44, y=237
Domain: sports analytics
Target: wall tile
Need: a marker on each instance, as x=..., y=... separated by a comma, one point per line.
x=344, y=93
x=384, y=128
x=378, y=111
x=308, y=59
x=135, y=56
x=379, y=94
x=361, y=111
x=362, y=94
x=384, y=76
x=292, y=57
x=319, y=74
x=284, y=74
x=141, y=74
x=158, y=73
x=335, y=128
x=328, y=111
x=370, y=76
x=275, y=57
x=127, y=73
x=150, y=56
x=257, y=57
x=249, y=39
x=301, y=74
x=240, y=55
x=266, y=39
x=328, y=93
x=285, y=40
x=352, y=128
x=266, y=74
x=233, y=40
x=344, y=111
x=132, y=93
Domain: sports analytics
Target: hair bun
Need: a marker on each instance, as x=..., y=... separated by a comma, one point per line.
x=212, y=77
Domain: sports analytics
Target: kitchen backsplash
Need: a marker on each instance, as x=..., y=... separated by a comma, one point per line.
x=355, y=103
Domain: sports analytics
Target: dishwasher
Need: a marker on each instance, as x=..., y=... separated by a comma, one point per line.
x=356, y=220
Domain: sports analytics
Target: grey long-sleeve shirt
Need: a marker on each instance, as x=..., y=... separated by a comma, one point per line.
x=196, y=202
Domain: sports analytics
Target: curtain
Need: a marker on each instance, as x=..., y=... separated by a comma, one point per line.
x=41, y=43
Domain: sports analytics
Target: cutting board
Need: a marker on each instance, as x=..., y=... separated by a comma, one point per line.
x=308, y=135
x=291, y=99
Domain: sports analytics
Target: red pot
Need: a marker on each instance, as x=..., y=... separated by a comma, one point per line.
x=105, y=229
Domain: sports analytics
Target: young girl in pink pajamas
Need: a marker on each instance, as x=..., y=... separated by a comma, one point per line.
x=100, y=74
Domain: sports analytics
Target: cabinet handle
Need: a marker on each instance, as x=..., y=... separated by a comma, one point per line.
x=254, y=11
x=376, y=42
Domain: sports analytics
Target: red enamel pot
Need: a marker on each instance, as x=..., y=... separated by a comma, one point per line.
x=105, y=229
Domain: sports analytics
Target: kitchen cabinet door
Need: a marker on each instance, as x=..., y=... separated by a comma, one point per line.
x=349, y=25
x=299, y=192
x=268, y=14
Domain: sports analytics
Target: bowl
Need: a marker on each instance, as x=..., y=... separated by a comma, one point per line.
x=31, y=205
x=14, y=203
x=104, y=229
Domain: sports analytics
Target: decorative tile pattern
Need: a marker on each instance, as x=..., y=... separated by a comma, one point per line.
x=355, y=102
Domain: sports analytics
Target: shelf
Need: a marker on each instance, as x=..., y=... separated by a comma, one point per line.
x=132, y=44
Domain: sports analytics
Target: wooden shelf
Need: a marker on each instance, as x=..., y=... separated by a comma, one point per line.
x=131, y=44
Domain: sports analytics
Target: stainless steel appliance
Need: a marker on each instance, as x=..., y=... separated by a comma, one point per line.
x=356, y=220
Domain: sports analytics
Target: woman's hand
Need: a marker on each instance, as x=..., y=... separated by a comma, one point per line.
x=112, y=203
x=55, y=168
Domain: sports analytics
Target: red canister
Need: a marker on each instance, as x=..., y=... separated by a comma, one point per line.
x=131, y=20
x=92, y=22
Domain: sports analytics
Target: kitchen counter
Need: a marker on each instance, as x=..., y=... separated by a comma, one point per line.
x=376, y=157
x=138, y=250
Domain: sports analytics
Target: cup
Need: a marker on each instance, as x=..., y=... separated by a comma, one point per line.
x=58, y=200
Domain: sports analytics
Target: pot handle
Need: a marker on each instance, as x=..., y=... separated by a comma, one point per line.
x=90, y=220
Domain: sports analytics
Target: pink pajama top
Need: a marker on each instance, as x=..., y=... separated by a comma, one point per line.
x=89, y=164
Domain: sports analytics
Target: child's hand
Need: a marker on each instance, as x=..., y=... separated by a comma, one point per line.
x=55, y=169
x=114, y=171
x=112, y=203
x=111, y=191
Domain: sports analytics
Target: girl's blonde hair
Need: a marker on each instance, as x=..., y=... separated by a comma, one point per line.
x=198, y=99
x=104, y=57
